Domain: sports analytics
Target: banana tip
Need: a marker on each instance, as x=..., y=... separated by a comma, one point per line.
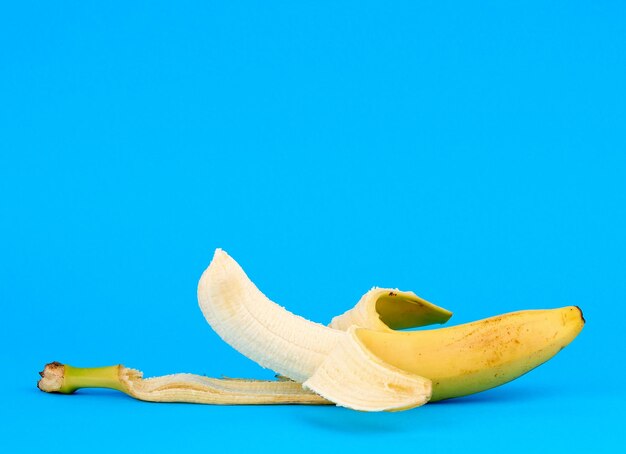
x=581, y=314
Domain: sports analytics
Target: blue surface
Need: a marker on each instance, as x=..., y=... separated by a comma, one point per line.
x=474, y=154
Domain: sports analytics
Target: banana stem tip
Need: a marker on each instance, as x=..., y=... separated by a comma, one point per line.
x=52, y=377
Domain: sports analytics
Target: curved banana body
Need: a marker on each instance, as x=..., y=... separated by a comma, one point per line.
x=330, y=362
x=259, y=328
x=474, y=357
x=365, y=364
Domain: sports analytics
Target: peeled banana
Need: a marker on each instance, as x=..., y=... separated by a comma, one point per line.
x=330, y=362
x=359, y=361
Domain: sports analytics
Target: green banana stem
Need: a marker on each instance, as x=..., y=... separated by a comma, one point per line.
x=65, y=379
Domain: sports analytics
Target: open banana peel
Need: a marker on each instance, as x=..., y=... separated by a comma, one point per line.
x=360, y=360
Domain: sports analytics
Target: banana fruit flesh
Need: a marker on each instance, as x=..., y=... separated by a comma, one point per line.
x=330, y=362
x=359, y=361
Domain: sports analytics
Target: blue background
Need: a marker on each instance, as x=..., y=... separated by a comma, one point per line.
x=475, y=154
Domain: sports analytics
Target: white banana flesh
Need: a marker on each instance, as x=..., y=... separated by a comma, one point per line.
x=259, y=328
x=330, y=362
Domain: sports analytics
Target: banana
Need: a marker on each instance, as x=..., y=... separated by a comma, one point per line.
x=359, y=361
x=330, y=362
x=458, y=360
